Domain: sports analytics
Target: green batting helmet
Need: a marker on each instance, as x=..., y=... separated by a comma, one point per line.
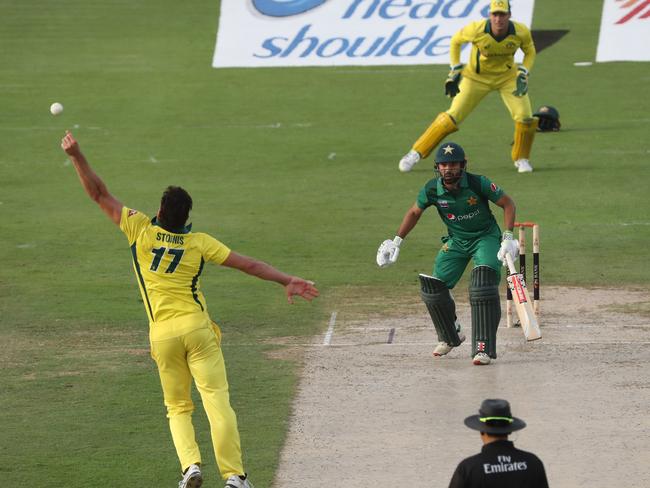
x=549, y=119
x=450, y=152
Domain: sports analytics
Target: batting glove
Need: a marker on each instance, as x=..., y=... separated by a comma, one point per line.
x=508, y=245
x=388, y=252
x=452, y=81
x=522, y=82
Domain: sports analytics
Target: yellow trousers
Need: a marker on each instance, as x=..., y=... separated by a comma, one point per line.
x=473, y=91
x=196, y=354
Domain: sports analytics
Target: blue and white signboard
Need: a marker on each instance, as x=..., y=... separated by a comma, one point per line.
x=257, y=33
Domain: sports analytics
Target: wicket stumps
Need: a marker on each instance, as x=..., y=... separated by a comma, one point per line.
x=521, y=228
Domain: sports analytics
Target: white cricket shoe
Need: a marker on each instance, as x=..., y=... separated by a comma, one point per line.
x=238, y=482
x=523, y=166
x=409, y=160
x=443, y=348
x=481, y=359
x=192, y=478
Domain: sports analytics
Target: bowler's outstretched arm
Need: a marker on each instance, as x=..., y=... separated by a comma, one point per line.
x=92, y=183
x=293, y=285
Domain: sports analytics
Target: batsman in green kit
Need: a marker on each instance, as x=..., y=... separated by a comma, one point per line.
x=463, y=203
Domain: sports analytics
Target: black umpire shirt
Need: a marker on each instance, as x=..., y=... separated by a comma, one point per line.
x=500, y=465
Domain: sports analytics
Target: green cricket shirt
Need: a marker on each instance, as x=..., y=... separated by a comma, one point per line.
x=466, y=211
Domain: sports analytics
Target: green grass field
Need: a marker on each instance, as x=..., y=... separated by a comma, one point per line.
x=80, y=395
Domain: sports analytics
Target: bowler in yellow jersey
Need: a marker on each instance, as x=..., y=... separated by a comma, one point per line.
x=168, y=259
x=491, y=67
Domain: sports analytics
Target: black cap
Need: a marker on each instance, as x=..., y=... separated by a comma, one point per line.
x=494, y=418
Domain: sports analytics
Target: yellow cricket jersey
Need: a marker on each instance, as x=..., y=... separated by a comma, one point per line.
x=168, y=266
x=490, y=57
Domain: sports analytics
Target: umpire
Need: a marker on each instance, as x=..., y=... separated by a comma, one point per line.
x=499, y=464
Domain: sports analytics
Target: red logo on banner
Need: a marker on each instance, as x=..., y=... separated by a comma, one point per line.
x=641, y=10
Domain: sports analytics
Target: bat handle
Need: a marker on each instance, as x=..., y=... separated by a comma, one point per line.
x=511, y=264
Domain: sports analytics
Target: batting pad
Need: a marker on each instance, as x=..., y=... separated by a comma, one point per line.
x=441, y=307
x=442, y=126
x=524, y=137
x=486, y=310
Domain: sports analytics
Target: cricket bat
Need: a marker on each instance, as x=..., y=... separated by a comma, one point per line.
x=522, y=301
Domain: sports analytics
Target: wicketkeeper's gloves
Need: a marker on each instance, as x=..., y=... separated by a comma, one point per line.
x=452, y=81
x=522, y=82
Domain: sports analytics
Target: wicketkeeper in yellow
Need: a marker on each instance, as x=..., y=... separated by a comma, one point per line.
x=185, y=343
x=491, y=67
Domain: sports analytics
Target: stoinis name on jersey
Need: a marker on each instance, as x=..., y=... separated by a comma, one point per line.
x=173, y=239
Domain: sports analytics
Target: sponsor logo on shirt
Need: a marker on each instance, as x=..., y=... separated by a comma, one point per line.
x=494, y=187
x=132, y=212
x=470, y=215
x=505, y=465
x=443, y=203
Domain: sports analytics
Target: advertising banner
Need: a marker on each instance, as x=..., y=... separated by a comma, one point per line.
x=257, y=33
x=624, y=31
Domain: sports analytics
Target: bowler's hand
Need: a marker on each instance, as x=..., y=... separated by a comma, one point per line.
x=69, y=144
x=300, y=287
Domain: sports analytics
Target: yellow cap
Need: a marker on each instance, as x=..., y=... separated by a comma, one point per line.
x=500, y=6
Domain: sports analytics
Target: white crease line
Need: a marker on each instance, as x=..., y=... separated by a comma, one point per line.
x=330, y=330
x=508, y=343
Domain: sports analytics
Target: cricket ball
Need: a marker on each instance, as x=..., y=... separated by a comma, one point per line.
x=56, y=108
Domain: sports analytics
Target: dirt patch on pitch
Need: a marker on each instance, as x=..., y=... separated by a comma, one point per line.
x=374, y=408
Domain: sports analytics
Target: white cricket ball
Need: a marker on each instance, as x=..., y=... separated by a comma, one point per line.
x=56, y=108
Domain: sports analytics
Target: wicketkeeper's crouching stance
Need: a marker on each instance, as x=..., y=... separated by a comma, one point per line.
x=491, y=68
x=185, y=343
x=462, y=200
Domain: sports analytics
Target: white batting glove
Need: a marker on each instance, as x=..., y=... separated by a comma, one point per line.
x=508, y=245
x=388, y=252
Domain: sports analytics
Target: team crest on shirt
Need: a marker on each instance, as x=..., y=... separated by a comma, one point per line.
x=443, y=203
x=132, y=212
x=472, y=201
x=494, y=187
